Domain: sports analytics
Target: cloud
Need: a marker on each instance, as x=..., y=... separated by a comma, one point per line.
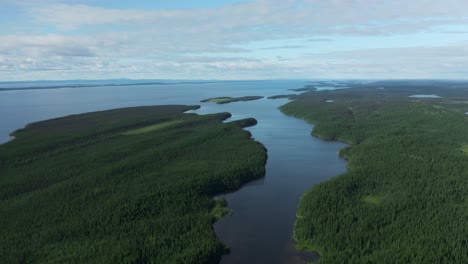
x=86, y=40
x=219, y=29
x=394, y=63
x=224, y=29
x=455, y=32
x=431, y=53
x=283, y=17
x=46, y=45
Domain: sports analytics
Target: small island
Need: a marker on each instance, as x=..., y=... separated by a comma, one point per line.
x=282, y=96
x=227, y=100
x=307, y=88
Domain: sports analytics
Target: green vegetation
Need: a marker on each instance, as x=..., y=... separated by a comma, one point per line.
x=307, y=88
x=465, y=149
x=404, y=198
x=217, y=99
x=281, y=96
x=132, y=185
x=226, y=100
x=152, y=127
x=373, y=199
x=220, y=209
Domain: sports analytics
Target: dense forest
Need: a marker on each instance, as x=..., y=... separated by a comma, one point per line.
x=404, y=198
x=132, y=185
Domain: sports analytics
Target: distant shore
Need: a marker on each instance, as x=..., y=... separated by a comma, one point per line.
x=78, y=85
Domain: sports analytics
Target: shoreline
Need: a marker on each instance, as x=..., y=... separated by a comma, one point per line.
x=307, y=250
x=10, y=138
x=383, y=169
x=293, y=253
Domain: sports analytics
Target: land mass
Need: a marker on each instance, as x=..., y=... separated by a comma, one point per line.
x=47, y=85
x=281, y=96
x=132, y=185
x=307, y=88
x=226, y=100
x=404, y=198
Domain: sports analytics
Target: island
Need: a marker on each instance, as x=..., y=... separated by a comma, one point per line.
x=404, y=198
x=282, y=96
x=307, y=88
x=131, y=185
x=227, y=100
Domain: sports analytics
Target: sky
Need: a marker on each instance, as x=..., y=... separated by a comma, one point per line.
x=232, y=39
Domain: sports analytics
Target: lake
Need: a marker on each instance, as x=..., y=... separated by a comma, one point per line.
x=260, y=230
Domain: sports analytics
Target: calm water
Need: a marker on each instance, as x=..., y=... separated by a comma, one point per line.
x=18, y=108
x=260, y=231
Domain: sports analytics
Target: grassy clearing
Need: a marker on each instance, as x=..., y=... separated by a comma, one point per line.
x=465, y=149
x=220, y=208
x=152, y=128
x=373, y=199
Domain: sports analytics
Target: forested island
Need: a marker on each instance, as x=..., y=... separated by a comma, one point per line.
x=133, y=185
x=282, y=96
x=227, y=100
x=404, y=198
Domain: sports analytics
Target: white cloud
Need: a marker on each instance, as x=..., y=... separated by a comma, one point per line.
x=183, y=43
x=393, y=63
x=282, y=17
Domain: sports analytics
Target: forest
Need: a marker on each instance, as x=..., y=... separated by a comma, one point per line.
x=404, y=198
x=133, y=185
x=227, y=100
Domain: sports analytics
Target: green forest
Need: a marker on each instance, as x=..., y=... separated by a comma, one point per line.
x=133, y=185
x=404, y=198
x=227, y=100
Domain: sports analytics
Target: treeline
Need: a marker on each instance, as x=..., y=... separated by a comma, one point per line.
x=404, y=198
x=79, y=189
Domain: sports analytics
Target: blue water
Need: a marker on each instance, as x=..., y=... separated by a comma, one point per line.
x=260, y=230
x=19, y=108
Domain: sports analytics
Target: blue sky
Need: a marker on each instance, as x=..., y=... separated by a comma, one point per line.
x=229, y=39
